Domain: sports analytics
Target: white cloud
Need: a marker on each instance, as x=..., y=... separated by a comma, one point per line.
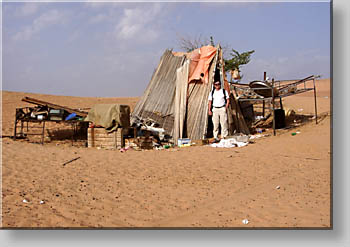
x=98, y=18
x=139, y=23
x=45, y=20
x=96, y=5
x=100, y=5
x=27, y=9
x=299, y=65
x=74, y=36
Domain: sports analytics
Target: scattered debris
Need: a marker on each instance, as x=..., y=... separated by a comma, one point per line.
x=295, y=133
x=70, y=161
x=25, y=201
x=278, y=187
x=238, y=141
x=42, y=202
x=123, y=150
x=185, y=145
x=252, y=137
x=245, y=221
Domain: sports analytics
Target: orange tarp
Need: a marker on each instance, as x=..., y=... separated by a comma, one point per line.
x=200, y=61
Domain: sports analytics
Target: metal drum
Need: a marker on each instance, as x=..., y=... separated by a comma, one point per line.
x=263, y=88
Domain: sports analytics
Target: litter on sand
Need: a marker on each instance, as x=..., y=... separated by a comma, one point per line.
x=229, y=143
x=245, y=221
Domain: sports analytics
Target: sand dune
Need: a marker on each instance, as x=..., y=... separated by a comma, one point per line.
x=278, y=181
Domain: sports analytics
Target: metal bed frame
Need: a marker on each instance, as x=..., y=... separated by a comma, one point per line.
x=284, y=90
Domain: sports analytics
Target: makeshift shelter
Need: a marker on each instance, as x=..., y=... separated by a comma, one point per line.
x=176, y=98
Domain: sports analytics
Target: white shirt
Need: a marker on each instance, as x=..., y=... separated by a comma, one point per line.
x=219, y=99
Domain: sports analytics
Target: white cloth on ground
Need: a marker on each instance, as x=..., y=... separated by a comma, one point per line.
x=228, y=143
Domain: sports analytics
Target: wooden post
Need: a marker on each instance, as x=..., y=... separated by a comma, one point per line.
x=43, y=133
x=237, y=127
x=315, y=100
x=74, y=133
x=281, y=105
x=265, y=76
x=22, y=128
x=15, y=129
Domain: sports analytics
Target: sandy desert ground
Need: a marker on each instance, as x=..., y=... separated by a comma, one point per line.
x=278, y=181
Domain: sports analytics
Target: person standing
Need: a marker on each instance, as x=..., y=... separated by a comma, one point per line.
x=218, y=103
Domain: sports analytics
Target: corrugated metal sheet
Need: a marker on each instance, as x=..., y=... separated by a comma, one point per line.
x=181, y=100
x=197, y=109
x=157, y=102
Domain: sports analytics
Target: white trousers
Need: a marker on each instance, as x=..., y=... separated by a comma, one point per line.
x=220, y=117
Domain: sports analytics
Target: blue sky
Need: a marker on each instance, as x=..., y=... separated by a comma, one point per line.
x=112, y=49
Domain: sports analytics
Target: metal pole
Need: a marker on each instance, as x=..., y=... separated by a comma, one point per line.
x=315, y=100
x=273, y=109
x=263, y=108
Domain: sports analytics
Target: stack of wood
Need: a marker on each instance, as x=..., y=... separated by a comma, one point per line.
x=99, y=137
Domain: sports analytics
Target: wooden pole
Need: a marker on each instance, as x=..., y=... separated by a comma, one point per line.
x=265, y=76
x=135, y=132
x=281, y=105
x=43, y=133
x=65, y=163
x=15, y=129
x=73, y=134
x=22, y=128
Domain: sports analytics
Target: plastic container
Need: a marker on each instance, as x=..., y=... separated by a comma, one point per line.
x=183, y=141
